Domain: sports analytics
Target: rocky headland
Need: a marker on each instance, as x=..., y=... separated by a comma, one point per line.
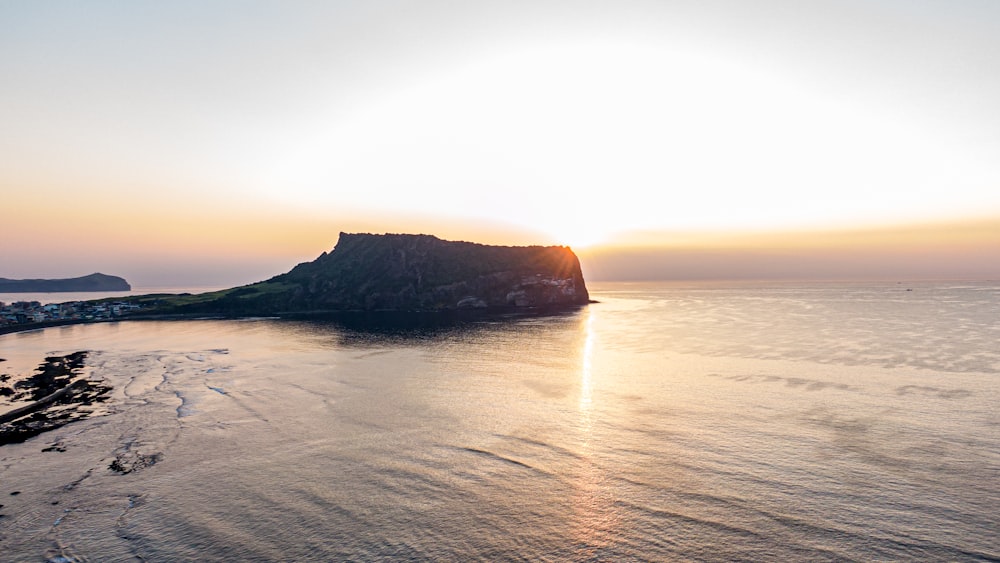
x=407, y=273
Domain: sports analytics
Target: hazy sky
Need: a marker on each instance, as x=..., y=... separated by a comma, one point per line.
x=222, y=142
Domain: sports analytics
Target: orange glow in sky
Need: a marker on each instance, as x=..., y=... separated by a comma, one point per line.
x=181, y=144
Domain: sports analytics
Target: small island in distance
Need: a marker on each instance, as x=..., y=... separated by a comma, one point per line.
x=402, y=273
x=93, y=282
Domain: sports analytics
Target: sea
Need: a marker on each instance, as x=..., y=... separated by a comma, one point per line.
x=667, y=422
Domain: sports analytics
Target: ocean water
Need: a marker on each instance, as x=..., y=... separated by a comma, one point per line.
x=819, y=422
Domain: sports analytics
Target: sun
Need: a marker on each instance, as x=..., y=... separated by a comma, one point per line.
x=578, y=233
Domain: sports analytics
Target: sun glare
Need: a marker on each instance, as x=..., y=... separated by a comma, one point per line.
x=583, y=140
x=577, y=235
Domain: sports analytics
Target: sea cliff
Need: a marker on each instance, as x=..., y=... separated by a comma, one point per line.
x=402, y=272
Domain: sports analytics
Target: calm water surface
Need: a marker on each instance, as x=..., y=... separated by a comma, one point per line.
x=784, y=422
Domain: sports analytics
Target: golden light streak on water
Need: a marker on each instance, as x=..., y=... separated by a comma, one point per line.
x=587, y=369
x=593, y=516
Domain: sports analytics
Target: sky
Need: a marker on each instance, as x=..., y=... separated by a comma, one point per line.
x=215, y=143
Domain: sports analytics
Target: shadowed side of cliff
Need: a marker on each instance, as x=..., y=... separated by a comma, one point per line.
x=401, y=272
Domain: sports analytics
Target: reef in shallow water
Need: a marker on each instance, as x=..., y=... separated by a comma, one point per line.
x=56, y=394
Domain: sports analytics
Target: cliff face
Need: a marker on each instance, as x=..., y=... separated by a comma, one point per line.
x=93, y=282
x=392, y=272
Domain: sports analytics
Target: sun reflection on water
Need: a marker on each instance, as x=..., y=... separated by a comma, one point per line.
x=586, y=371
x=594, y=518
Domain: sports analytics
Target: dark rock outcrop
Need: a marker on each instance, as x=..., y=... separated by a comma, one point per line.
x=57, y=394
x=93, y=282
x=395, y=272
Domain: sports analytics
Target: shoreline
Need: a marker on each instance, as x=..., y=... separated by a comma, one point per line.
x=11, y=329
x=346, y=315
x=28, y=327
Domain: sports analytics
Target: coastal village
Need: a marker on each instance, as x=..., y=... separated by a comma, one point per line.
x=29, y=312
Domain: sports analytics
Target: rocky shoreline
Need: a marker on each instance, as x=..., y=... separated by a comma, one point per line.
x=55, y=395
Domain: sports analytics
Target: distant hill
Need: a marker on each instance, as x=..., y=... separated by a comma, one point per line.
x=396, y=272
x=93, y=282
